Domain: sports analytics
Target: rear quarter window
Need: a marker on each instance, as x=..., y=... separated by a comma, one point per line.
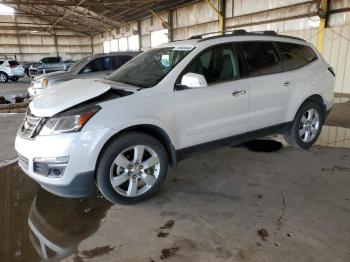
x=295, y=55
x=1, y=62
x=261, y=57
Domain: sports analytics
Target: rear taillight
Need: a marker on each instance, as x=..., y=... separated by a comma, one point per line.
x=331, y=69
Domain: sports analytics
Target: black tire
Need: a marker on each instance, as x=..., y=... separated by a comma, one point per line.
x=3, y=77
x=117, y=146
x=14, y=79
x=291, y=134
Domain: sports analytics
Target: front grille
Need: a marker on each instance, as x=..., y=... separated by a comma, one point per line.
x=23, y=162
x=30, y=126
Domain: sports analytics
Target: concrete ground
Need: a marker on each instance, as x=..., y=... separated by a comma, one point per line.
x=233, y=204
x=14, y=88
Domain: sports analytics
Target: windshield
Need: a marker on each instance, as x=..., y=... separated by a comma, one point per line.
x=78, y=64
x=149, y=68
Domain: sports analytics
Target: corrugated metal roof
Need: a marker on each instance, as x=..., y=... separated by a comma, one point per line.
x=91, y=16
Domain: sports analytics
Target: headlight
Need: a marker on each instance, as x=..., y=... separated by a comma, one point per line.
x=68, y=122
x=44, y=83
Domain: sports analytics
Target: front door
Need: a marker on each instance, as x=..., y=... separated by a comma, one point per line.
x=219, y=110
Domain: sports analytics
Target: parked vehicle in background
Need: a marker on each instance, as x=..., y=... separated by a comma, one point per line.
x=49, y=64
x=94, y=66
x=10, y=69
x=121, y=133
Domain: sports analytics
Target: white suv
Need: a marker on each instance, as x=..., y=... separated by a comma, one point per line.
x=121, y=133
x=10, y=69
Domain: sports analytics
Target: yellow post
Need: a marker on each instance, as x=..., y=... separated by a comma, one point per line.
x=221, y=17
x=322, y=26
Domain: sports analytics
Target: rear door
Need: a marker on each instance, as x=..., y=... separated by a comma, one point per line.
x=269, y=95
x=219, y=110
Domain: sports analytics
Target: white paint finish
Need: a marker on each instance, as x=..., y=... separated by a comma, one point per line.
x=189, y=117
x=84, y=145
x=65, y=95
x=210, y=113
x=267, y=109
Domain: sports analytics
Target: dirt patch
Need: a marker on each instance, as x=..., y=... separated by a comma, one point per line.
x=168, y=225
x=169, y=252
x=335, y=169
x=78, y=258
x=162, y=234
x=263, y=233
x=98, y=251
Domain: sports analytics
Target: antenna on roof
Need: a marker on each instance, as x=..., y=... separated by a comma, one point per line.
x=196, y=37
x=239, y=32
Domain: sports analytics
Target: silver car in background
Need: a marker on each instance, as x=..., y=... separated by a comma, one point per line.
x=10, y=69
x=94, y=66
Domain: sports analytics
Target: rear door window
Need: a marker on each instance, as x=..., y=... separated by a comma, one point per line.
x=262, y=58
x=13, y=63
x=97, y=65
x=296, y=56
x=1, y=62
x=118, y=61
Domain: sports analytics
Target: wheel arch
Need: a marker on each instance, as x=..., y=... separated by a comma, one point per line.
x=314, y=98
x=152, y=130
x=4, y=73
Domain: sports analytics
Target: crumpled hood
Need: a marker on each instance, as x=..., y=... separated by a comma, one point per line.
x=66, y=95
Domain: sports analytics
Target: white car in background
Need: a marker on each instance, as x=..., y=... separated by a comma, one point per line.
x=94, y=66
x=10, y=69
x=122, y=132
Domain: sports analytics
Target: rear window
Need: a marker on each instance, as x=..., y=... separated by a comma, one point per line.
x=262, y=58
x=296, y=56
x=13, y=63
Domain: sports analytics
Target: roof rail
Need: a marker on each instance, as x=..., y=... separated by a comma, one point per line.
x=242, y=32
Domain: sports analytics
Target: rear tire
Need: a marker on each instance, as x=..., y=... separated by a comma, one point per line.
x=307, y=125
x=132, y=168
x=3, y=77
x=14, y=79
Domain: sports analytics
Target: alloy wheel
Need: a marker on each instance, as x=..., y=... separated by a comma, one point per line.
x=134, y=171
x=309, y=125
x=2, y=78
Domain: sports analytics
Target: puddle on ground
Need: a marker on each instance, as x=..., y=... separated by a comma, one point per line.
x=35, y=224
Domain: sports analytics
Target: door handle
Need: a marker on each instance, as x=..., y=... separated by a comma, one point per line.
x=238, y=92
x=288, y=83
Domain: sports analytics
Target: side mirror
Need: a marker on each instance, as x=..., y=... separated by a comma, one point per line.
x=192, y=80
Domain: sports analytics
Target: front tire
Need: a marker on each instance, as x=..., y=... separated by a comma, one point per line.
x=3, y=77
x=307, y=125
x=132, y=168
